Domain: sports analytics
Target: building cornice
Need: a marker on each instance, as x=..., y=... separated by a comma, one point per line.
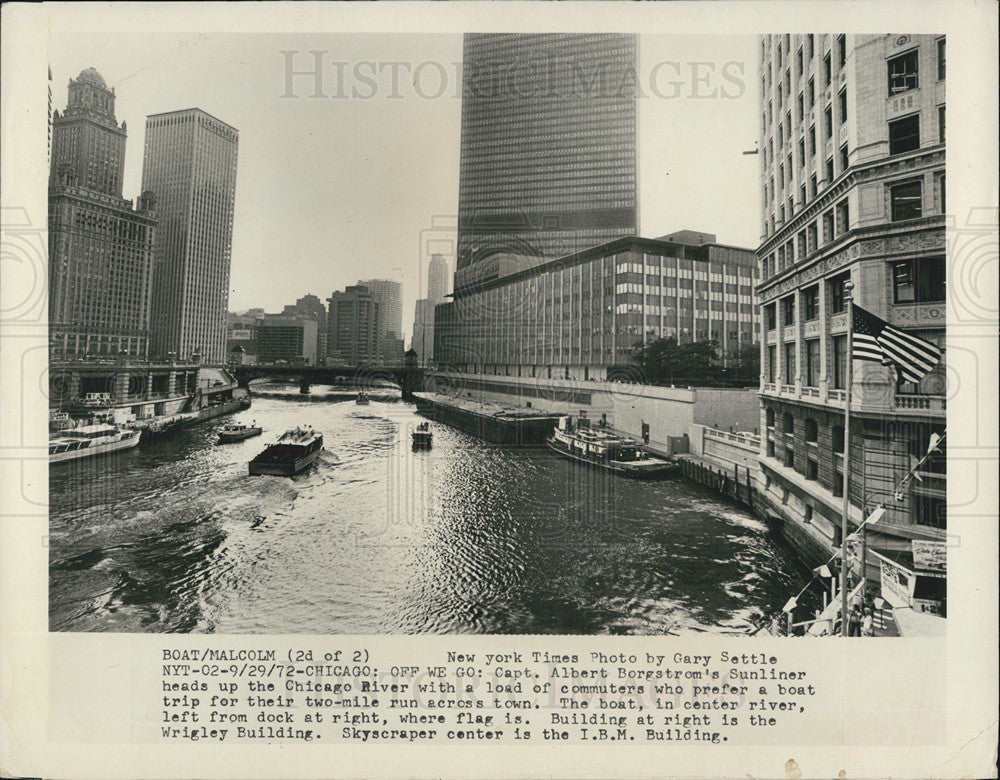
x=853, y=176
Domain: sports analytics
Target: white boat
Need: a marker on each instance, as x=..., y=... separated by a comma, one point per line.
x=88, y=440
x=606, y=450
x=239, y=432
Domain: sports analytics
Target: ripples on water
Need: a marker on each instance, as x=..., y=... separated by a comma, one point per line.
x=377, y=538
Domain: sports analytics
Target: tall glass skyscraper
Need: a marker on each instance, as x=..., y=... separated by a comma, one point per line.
x=548, y=156
x=190, y=163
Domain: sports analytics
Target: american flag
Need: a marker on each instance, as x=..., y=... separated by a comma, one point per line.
x=875, y=339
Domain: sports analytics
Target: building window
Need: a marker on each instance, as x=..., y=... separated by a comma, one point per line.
x=828, y=227
x=837, y=440
x=904, y=134
x=829, y=170
x=843, y=105
x=789, y=457
x=905, y=201
x=842, y=50
x=903, y=73
x=844, y=158
x=812, y=364
x=839, y=364
x=789, y=363
x=788, y=310
x=809, y=46
x=812, y=430
x=940, y=59
x=811, y=231
x=941, y=189
x=827, y=71
x=772, y=365
x=787, y=423
x=828, y=123
x=769, y=417
x=770, y=449
x=812, y=471
x=843, y=217
x=838, y=293
x=941, y=124
x=919, y=280
x=810, y=303
x=838, y=485
x=769, y=316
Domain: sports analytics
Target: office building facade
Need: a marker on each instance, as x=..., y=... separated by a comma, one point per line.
x=580, y=316
x=853, y=188
x=422, y=340
x=354, y=330
x=279, y=337
x=190, y=162
x=548, y=149
x=389, y=295
x=100, y=247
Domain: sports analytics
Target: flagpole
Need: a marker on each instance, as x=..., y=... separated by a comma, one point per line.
x=848, y=290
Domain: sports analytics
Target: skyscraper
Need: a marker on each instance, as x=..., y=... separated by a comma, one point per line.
x=422, y=339
x=437, y=278
x=389, y=296
x=100, y=248
x=853, y=190
x=353, y=327
x=548, y=150
x=190, y=163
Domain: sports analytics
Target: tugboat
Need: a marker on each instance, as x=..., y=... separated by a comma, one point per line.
x=362, y=399
x=87, y=440
x=239, y=432
x=295, y=450
x=422, y=436
x=605, y=450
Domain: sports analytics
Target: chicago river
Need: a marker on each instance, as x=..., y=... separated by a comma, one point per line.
x=466, y=537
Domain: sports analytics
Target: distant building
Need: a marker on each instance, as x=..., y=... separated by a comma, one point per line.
x=100, y=248
x=853, y=184
x=389, y=295
x=579, y=317
x=438, y=280
x=422, y=340
x=280, y=337
x=548, y=148
x=353, y=327
x=190, y=162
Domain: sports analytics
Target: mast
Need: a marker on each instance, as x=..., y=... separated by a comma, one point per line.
x=849, y=359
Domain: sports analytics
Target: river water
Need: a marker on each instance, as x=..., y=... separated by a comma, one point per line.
x=377, y=538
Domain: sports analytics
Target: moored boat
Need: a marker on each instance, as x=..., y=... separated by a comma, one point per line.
x=239, y=432
x=295, y=450
x=422, y=436
x=606, y=450
x=88, y=440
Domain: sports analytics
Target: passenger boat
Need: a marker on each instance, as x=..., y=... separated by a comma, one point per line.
x=239, y=432
x=606, y=450
x=362, y=399
x=294, y=452
x=422, y=436
x=88, y=440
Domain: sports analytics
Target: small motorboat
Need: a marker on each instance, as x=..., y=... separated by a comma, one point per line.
x=362, y=399
x=239, y=432
x=422, y=436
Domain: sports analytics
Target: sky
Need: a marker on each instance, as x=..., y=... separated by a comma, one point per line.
x=361, y=180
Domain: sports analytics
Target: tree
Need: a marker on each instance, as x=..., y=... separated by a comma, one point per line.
x=664, y=361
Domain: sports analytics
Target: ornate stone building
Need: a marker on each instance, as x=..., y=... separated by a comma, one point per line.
x=853, y=186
